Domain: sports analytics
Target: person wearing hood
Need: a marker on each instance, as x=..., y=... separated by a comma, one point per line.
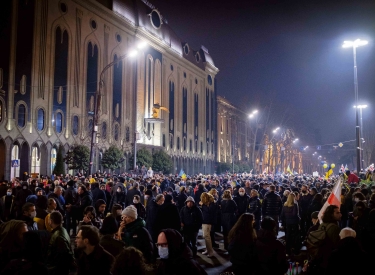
x=11, y=240
x=119, y=197
x=175, y=256
x=271, y=255
x=7, y=204
x=97, y=193
x=100, y=207
x=191, y=220
x=132, y=232
x=168, y=216
x=21, y=196
x=348, y=251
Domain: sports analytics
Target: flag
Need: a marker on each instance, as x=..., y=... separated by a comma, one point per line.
x=346, y=167
x=181, y=173
x=329, y=172
x=183, y=176
x=342, y=169
x=288, y=170
x=333, y=199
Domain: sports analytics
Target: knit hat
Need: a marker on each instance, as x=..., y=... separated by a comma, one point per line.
x=130, y=211
x=190, y=198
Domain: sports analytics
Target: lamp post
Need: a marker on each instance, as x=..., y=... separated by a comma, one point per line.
x=252, y=115
x=360, y=107
x=269, y=146
x=354, y=44
x=97, y=96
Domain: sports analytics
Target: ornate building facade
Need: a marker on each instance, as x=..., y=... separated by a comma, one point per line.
x=52, y=77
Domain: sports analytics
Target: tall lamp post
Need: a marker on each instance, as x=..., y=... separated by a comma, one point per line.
x=251, y=116
x=354, y=44
x=97, y=96
x=360, y=107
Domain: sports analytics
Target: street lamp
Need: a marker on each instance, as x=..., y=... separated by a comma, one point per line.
x=252, y=115
x=131, y=53
x=355, y=44
x=360, y=107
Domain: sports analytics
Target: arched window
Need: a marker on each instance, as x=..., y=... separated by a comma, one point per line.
x=53, y=158
x=90, y=125
x=21, y=115
x=59, y=122
x=104, y=130
x=75, y=126
x=178, y=143
x=117, y=132
x=40, y=121
x=35, y=160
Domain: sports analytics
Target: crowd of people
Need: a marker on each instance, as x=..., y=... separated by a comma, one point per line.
x=149, y=223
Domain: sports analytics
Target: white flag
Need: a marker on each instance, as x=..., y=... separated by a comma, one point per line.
x=333, y=199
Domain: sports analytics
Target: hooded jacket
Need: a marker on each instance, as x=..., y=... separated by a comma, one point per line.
x=10, y=244
x=191, y=217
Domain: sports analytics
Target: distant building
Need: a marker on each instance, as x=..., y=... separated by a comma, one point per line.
x=52, y=56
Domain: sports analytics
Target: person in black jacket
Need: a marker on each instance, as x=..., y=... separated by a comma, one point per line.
x=21, y=196
x=119, y=197
x=191, y=220
x=290, y=215
x=134, y=190
x=97, y=193
x=167, y=216
x=197, y=195
x=209, y=211
x=228, y=215
x=181, y=198
x=141, y=210
x=255, y=208
x=304, y=202
x=152, y=209
x=272, y=206
x=242, y=200
x=175, y=256
x=70, y=197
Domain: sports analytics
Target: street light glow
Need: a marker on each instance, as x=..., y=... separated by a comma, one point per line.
x=360, y=106
x=133, y=53
x=356, y=43
x=141, y=45
x=274, y=131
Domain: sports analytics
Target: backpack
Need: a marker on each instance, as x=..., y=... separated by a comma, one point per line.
x=316, y=240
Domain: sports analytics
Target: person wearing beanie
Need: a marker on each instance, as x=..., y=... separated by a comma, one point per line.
x=132, y=232
x=191, y=220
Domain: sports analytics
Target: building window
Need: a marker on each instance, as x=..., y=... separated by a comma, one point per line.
x=186, y=49
x=196, y=145
x=93, y=24
x=127, y=134
x=118, y=38
x=155, y=19
x=53, y=158
x=196, y=81
x=178, y=143
x=197, y=57
x=104, y=130
x=184, y=74
x=90, y=125
x=184, y=144
x=75, y=125
x=59, y=122
x=191, y=146
x=21, y=115
x=171, y=67
x=163, y=140
x=209, y=80
x=40, y=121
x=117, y=132
x=63, y=8
x=201, y=147
x=1, y=110
x=171, y=141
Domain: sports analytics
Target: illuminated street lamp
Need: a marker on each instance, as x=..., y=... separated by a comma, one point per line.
x=355, y=44
x=251, y=116
x=360, y=107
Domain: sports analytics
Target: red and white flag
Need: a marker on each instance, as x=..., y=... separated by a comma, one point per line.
x=333, y=199
x=342, y=169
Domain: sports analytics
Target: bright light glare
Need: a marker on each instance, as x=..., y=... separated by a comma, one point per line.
x=133, y=53
x=360, y=106
x=251, y=116
x=274, y=131
x=255, y=111
x=355, y=43
x=141, y=45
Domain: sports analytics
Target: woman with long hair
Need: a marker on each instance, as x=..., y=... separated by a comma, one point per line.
x=241, y=246
x=209, y=217
x=290, y=214
x=228, y=215
x=216, y=226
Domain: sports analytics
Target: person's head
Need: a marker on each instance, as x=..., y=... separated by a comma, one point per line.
x=162, y=246
x=89, y=212
x=358, y=197
x=213, y=192
x=347, y=173
x=39, y=191
x=304, y=189
x=116, y=210
x=9, y=192
x=268, y=224
x=100, y=206
x=29, y=210
x=206, y=198
x=51, y=204
x=159, y=199
x=55, y=219
x=136, y=199
x=241, y=192
x=102, y=187
x=190, y=202
x=347, y=232
x=58, y=190
x=243, y=230
x=129, y=214
x=318, y=198
x=88, y=236
x=315, y=217
x=254, y=193
x=290, y=200
x=81, y=189
x=227, y=195
x=332, y=214
x=109, y=226
x=130, y=261
x=272, y=188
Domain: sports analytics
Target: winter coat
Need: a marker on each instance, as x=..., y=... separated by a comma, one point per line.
x=59, y=256
x=197, y=195
x=228, y=214
x=83, y=201
x=119, y=198
x=99, y=261
x=167, y=217
x=141, y=210
x=255, y=207
x=135, y=234
x=304, y=202
x=113, y=246
x=98, y=194
x=131, y=192
x=271, y=205
x=181, y=198
x=271, y=254
x=70, y=195
x=180, y=258
x=348, y=251
x=209, y=213
x=290, y=214
x=313, y=207
x=242, y=257
x=151, y=212
x=192, y=218
x=242, y=203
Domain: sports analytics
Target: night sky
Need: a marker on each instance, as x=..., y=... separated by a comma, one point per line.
x=288, y=52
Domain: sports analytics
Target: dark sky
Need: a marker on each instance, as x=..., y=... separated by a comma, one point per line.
x=288, y=51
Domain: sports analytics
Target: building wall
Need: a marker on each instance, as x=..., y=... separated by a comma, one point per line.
x=53, y=53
